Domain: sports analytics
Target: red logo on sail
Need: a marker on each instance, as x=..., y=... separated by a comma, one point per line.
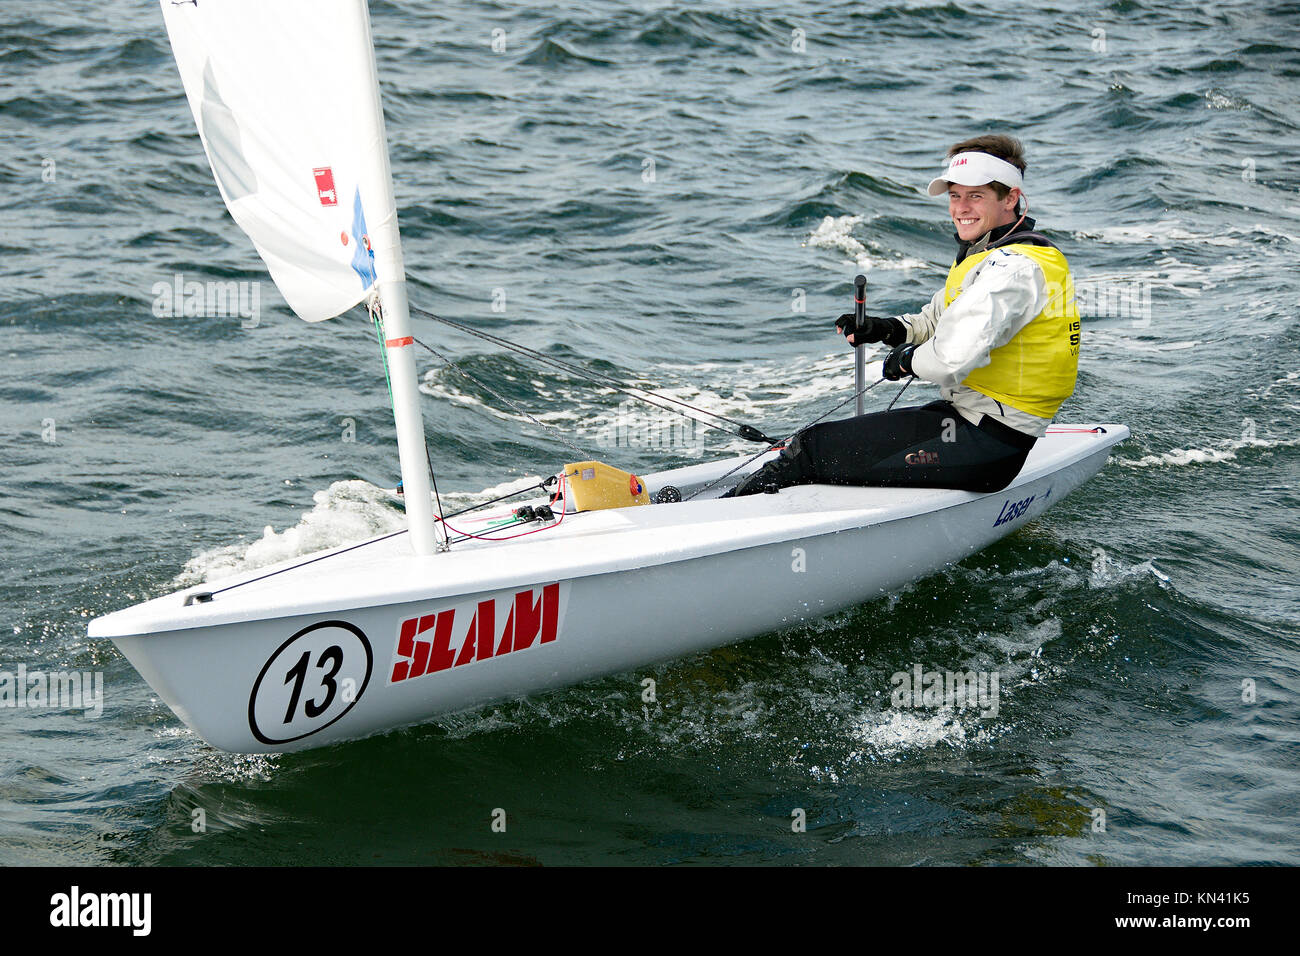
x=325, y=186
x=440, y=641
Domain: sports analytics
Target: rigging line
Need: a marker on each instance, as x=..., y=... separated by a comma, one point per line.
x=564, y=504
x=755, y=458
x=377, y=319
x=540, y=485
x=436, y=497
x=362, y=544
x=491, y=501
x=376, y=315
x=303, y=564
x=467, y=536
x=900, y=392
x=569, y=366
x=583, y=456
x=747, y=432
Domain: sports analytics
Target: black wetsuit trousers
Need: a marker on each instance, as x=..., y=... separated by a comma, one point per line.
x=930, y=446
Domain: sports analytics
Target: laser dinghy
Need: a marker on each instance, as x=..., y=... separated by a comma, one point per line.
x=399, y=629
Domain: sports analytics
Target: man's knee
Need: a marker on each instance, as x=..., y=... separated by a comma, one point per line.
x=996, y=475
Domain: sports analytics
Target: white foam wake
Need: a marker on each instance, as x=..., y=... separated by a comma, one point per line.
x=1174, y=230
x=1218, y=453
x=835, y=233
x=894, y=732
x=345, y=512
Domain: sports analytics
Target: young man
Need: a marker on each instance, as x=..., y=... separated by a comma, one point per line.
x=1000, y=339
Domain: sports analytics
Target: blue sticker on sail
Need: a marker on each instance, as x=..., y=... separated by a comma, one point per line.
x=363, y=257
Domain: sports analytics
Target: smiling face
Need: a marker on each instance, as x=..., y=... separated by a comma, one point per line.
x=977, y=209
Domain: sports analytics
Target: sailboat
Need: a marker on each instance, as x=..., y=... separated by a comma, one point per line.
x=434, y=619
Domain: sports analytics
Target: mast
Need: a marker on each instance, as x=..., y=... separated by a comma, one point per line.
x=285, y=96
x=376, y=183
x=412, y=451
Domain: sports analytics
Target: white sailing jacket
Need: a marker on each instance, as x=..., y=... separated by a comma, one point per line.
x=999, y=297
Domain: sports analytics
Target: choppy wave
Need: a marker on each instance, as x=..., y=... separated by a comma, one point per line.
x=343, y=513
x=1223, y=451
x=835, y=233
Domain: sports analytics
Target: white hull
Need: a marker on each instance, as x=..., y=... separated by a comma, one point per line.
x=315, y=653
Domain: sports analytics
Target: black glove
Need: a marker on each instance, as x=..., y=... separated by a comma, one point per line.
x=899, y=363
x=874, y=329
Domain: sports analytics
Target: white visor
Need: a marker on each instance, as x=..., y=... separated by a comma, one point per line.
x=977, y=169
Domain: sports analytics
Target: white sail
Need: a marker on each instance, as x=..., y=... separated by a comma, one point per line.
x=286, y=97
x=283, y=94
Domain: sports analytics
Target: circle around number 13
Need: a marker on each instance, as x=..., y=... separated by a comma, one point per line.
x=311, y=681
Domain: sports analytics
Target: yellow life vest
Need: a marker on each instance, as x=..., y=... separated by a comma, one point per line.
x=1034, y=372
